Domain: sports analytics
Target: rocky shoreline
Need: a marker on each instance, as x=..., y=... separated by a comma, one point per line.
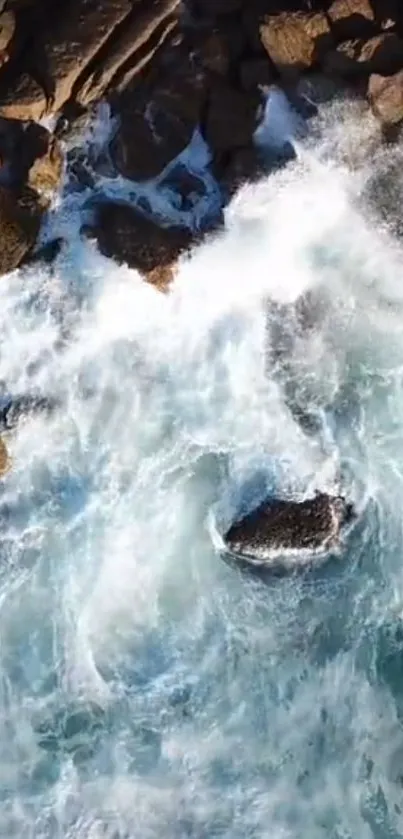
x=170, y=72
x=168, y=69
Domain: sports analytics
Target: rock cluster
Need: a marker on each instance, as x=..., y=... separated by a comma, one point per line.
x=167, y=68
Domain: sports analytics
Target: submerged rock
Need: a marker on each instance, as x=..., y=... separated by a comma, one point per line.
x=291, y=526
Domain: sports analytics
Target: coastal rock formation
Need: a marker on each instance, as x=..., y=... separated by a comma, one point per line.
x=285, y=525
x=128, y=236
x=20, y=218
x=385, y=94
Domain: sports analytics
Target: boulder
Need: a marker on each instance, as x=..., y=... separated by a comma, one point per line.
x=351, y=19
x=380, y=54
x=19, y=226
x=280, y=525
x=232, y=117
x=295, y=41
x=385, y=95
x=128, y=236
x=156, y=127
x=214, y=53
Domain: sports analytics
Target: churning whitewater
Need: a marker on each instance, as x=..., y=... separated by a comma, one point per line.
x=148, y=689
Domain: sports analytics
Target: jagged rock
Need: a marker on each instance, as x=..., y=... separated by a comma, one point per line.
x=380, y=54
x=128, y=236
x=351, y=19
x=19, y=226
x=232, y=117
x=285, y=525
x=154, y=130
x=295, y=41
x=131, y=49
x=385, y=94
x=21, y=97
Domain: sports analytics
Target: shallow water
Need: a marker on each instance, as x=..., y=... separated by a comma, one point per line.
x=146, y=688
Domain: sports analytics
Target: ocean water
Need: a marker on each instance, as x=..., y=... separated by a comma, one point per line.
x=148, y=689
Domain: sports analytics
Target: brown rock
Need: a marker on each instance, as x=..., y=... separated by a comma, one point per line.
x=381, y=54
x=254, y=72
x=352, y=19
x=286, y=525
x=128, y=236
x=161, y=36
x=155, y=130
x=139, y=28
x=74, y=36
x=21, y=97
x=295, y=40
x=5, y=461
x=385, y=94
x=231, y=118
x=19, y=227
x=7, y=29
x=45, y=174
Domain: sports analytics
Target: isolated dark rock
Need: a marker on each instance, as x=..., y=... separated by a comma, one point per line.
x=254, y=72
x=285, y=525
x=385, y=95
x=128, y=236
x=295, y=41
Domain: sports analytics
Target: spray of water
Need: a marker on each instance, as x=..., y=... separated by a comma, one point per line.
x=147, y=689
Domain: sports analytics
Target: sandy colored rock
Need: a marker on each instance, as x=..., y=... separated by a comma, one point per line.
x=45, y=174
x=7, y=29
x=295, y=40
x=385, y=94
x=5, y=460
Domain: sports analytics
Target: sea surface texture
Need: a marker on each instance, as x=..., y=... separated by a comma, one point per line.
x=149, y=690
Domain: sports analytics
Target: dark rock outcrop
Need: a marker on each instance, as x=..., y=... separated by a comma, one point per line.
x=232, y=117
x=287, y=526
x=128, y=236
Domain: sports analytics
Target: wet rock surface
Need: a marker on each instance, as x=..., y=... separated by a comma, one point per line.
x=124, y=233
x=280, y=525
